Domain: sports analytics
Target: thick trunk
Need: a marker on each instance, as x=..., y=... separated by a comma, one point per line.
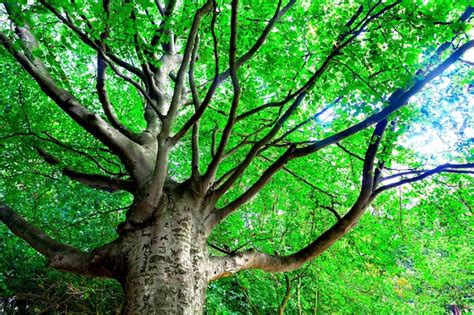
x=166, y=267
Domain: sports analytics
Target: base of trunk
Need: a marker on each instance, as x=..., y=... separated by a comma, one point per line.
x=150, y=296
x=166, y=265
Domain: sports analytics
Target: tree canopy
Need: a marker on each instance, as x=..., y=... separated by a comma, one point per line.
x=291, y=121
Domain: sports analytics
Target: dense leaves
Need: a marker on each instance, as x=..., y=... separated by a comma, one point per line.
x=408, y=253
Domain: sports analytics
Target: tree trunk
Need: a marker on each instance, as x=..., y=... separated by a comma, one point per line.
x=166, y=266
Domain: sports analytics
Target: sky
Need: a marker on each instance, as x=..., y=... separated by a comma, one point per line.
x=432, y=142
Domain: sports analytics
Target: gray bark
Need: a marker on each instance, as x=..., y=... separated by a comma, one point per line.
x=166, y=264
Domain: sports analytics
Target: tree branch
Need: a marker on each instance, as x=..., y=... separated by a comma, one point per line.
x=86, y=40
x=275, y=263
x=102, y=182
x=91, y=122
x=178, y=88
x=60, y=256
x=155, y=189
x=212, y=168
x=104, y=100
x=397, y=100
x=218, y=79
x=298, y=97
x=196, y=102
x=444, y=168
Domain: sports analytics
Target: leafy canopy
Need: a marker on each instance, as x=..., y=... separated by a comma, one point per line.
x=408, y=252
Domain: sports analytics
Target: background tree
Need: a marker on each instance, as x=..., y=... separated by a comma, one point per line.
x=187, y=112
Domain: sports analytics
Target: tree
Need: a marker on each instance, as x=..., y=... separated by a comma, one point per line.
x=224, y=110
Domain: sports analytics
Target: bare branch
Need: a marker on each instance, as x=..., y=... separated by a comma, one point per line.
x=197, y=103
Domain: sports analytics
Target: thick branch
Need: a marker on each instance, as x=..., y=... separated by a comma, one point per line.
x=178, y=88
x=60, y=256
x=397, y=100
x=155, y=189
x=91, y=122
x=274, y=263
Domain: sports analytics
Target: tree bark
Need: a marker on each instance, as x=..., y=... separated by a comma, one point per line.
x=163, y=264
x=166, y=266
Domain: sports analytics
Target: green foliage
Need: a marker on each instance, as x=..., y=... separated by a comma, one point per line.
x=409, y=253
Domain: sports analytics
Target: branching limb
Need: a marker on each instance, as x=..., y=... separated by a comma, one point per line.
x=397, y=100
x=343, y=41
x=60, y=256
x=152, y=114
x=274, y=263
x=91, y=43
x=264, y=35
x=102, y=182
x=467, y=168
x=91, y=122
x=179, y=84
x=298, y=96
x=219, y=78
x=220, y=214
x=155, y=189
x=212, y=168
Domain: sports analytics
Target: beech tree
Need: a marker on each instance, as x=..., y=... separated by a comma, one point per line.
x=189, y=109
